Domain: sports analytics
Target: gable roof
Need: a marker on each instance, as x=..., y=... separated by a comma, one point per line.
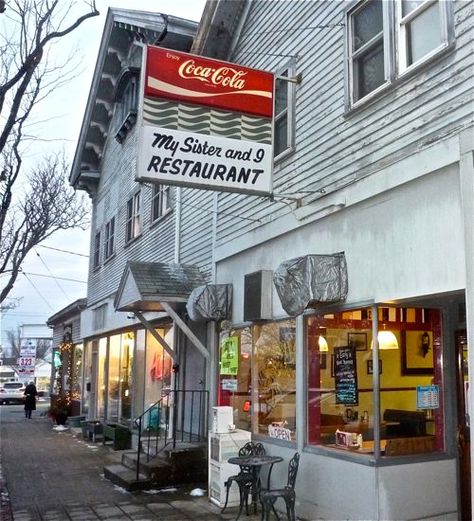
x=122, y=29
x=145, y=284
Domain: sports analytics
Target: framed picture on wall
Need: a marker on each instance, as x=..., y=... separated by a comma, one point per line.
x=322, y=360
x=417, y=352
x=370, y=366
x=358, y=340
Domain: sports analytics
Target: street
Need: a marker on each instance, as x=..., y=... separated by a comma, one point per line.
x=58, y=476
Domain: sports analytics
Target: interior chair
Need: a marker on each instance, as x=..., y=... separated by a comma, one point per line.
x=269, y=497
x=244, y=478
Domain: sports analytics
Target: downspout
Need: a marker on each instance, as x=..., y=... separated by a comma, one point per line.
x=177, y=225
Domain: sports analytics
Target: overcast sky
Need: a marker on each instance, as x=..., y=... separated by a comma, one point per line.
x=58, y=123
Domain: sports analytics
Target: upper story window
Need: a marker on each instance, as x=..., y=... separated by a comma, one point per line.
x=284, y=131
x=375, y=58
x=109, y=239
x=134, y=226
x=422, y=30
x=96, y=262
x=160, y=201
x=126, y=99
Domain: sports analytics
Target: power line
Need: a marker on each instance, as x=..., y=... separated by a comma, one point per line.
x=64, y=251
x=50, y=277
x=55, y=279
x=37, y=291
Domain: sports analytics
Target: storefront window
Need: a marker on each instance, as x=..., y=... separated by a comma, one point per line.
x=340, y=385
x=113, y=378
x=87, y=378
x=235, y=374
x=76, y=385
x=138, y=372
x=274, y=369
x=101, y=396
x=158, y=366
x=126, y=360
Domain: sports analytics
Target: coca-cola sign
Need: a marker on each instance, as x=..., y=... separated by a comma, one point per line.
x=184, y=77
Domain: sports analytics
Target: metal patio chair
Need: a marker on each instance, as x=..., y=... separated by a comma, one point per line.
x=244, y=478
x=269, y=497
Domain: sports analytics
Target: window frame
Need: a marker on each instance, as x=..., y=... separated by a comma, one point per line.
x=394, y=68
x=290, y=112
x=401, y=23
x=133, y=222
x=109, y=239
x=162, y=195
x=97, y=250
x=388, y=60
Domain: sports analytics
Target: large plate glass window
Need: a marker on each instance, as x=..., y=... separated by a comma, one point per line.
x=341, y=372
x=274, y=366
x=366, y=42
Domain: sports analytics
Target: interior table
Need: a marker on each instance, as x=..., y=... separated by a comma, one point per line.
x=255, y=464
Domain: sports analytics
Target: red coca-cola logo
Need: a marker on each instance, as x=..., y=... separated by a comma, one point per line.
x=203, y=81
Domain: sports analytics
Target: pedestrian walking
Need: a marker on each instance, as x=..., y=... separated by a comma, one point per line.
x=30, y=399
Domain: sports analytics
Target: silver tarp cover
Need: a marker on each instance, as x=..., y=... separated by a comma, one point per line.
x=311, y=279
x=210, y=302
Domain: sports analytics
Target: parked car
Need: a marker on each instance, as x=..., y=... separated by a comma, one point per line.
x=12, y=392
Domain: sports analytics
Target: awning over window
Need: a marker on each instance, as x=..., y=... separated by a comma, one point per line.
x=309, y=280
x=146, y=285
x=210, y=302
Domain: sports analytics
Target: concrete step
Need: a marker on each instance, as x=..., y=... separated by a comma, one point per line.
x=127, y=478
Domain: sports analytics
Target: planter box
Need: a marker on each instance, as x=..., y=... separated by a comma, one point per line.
x=118, y=434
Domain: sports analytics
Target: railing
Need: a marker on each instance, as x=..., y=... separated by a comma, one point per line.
x=177, y=417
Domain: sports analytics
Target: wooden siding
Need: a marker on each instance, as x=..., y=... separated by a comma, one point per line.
x=333, y=148
x=196, y=229
x=117, y=185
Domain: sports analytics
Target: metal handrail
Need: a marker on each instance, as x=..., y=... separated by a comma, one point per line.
x=186, y=411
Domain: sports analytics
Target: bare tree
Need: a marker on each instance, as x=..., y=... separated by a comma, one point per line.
x=43, y=345
x=47, y=203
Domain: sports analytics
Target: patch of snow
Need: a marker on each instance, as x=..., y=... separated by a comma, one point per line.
x=60, y=428
x=121, y=489
x=197, y=492
x=155, y=491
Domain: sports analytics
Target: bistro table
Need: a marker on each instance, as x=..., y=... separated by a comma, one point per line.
x=255, y=463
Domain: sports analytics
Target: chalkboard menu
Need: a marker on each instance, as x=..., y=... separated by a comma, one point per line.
x=345, y=373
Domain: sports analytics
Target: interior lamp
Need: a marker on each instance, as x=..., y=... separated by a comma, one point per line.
x=322, y=344
x=387, y=340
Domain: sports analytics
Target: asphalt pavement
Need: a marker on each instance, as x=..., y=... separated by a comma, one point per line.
x=46, y=475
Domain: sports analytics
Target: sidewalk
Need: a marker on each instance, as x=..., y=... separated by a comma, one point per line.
x=56, y=476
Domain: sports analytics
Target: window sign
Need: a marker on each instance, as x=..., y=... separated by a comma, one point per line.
x=230, y=356
x=345, y=372
x=427, y=396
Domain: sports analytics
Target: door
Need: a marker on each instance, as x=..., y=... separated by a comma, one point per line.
x=462, y=382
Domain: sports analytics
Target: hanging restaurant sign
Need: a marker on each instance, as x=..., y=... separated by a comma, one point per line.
x=205, y=123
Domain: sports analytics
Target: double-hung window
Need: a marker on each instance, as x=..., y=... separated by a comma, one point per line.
x=386, y=39
x=109, y=239
x=367, y=49
x=160, y=201
x=422, y=30
x=284, y=125
x=96, y=262
x=133, y=224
